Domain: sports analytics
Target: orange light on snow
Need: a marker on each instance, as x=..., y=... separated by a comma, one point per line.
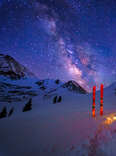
x=114, y=118
x=110, y=119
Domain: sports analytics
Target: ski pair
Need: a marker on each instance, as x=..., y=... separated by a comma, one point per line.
x=101, y=100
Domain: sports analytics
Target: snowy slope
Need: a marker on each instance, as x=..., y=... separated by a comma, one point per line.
x=53, y=85
x=65, y=128
x=48, y=84
x=63, y=88
x=16, y=93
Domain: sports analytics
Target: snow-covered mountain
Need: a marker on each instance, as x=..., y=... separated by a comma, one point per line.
x=18, y=84
x=48, y=84
x=55, y=86
x=74, y=86
x=60, y=124
x=11, y=68
x=14, y=93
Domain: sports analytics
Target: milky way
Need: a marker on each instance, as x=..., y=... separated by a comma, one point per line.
x=68, y=39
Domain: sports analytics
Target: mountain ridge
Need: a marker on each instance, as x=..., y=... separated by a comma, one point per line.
x=11, y=68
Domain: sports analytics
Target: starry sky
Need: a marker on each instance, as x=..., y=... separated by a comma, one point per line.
x=64, y=39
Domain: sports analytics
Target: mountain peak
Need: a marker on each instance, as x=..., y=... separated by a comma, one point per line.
x=11, y=68
x=74, y=86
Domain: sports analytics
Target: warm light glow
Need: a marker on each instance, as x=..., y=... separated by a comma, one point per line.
x=114, y=117
x=110, y=119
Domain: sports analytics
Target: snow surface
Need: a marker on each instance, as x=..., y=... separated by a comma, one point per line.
x=61, y=129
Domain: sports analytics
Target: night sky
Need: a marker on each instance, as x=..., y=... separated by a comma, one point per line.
x=64, y=39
